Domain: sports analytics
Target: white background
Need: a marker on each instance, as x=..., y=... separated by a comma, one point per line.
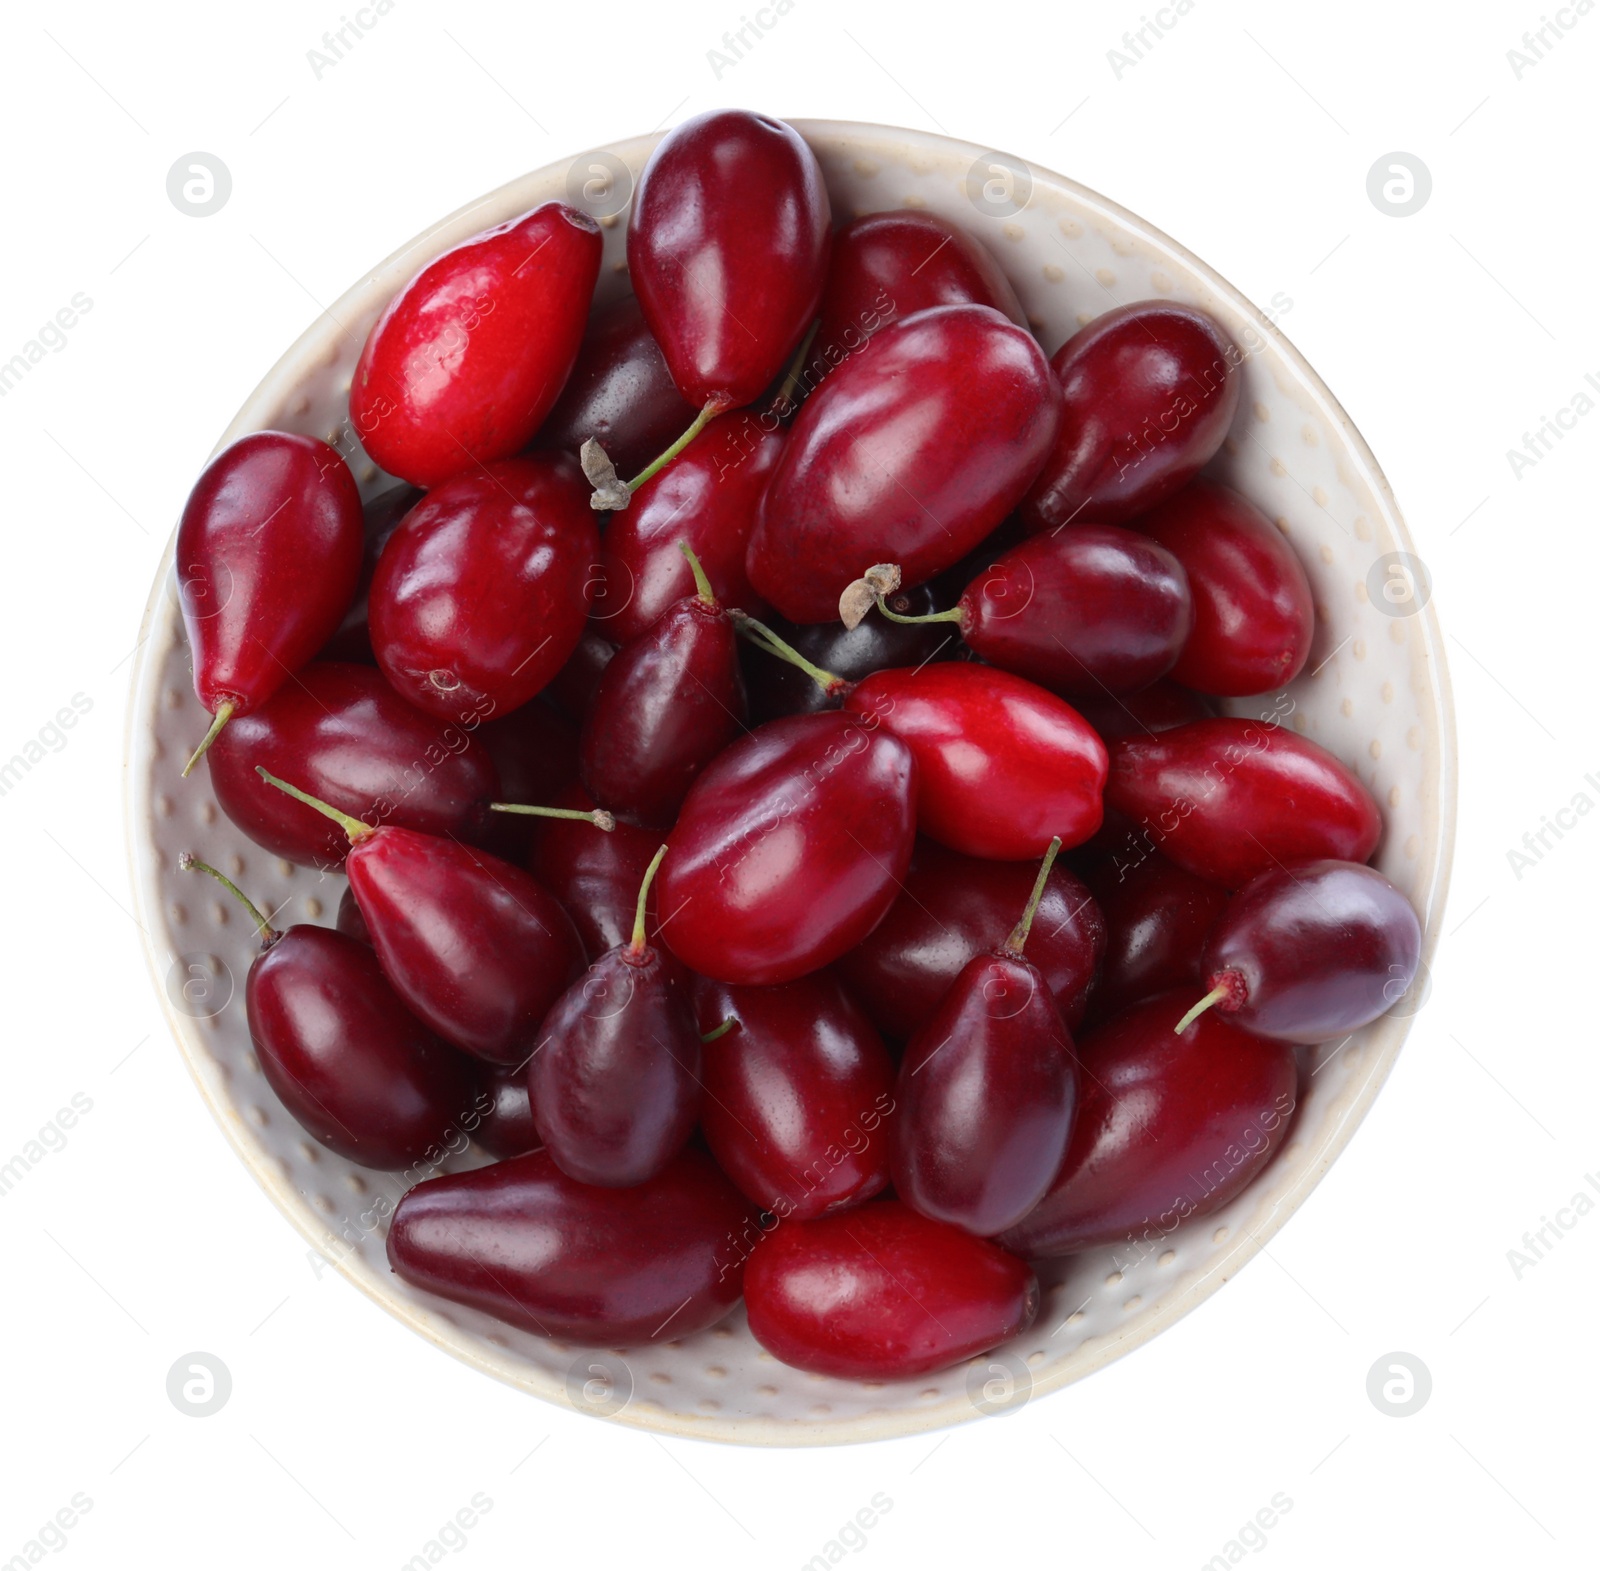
x=1247, y=132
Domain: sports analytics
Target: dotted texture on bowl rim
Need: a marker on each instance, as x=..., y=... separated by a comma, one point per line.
x=1375, y=693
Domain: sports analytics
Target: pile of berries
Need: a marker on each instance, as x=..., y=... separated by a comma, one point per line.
x=829, y=882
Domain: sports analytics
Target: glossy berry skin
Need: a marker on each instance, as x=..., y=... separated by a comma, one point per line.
x=987, y=1093
x=888, y=266
x=595, y=876
x=1253, y=617
x=360, y=1074
x=268, y=559
x=881, y=1293
x=483, y=591
x=1087, y=612
x=1148, y=392
x=1157, y=917
x=468, y=357
x=706, y=496
x=477, y=948
x=380, y=517
x=620, y=393
x=799, y=1095
x=1312, y=952
x=665, y=707
x=1168, y=1127
x=348, y=738
x=788, y=850
x=1230, y=798
x=1159, y=707
x=1002, y=765
x=954, y=909
x=615, y=1083
x=525, y=1243
x=911, y=452
x=507, y=1128
x=777, y=688
x=727, y=250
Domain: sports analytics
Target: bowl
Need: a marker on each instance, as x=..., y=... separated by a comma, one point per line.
x=1375, y=692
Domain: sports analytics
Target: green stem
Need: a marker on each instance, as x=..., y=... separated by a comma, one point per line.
x=1215, y=996
x=600, y=818
x=954, y=614
x=699, y=423
x=721, y=1031
x=702, y=584
x=783, y=399
x=763, y=637
x=1019, y=934
x=224, y=715
x=353, y=827
x=188, y=862
x=636, y=945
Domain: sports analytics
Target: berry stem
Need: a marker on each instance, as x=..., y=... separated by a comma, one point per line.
x=954, y=614
x=636, y=945
x=353, y=827
x=188, y=862
x=1215, y=996
x=783, y=401
x=763, y=637
x=223, y=716
x=702, y=584
x=600, y=818
x=716, y=1035
x=696, y=426
x=1019, y=934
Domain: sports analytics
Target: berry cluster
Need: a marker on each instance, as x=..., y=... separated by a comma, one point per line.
x=831, y=881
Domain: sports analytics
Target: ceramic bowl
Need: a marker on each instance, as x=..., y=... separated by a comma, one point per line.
x=1375, y=692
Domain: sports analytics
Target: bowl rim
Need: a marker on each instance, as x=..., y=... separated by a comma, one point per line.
x=1389, y=1032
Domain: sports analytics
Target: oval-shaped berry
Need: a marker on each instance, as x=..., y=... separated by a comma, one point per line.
x=359, y=1072
x=727, y=251
x=1088, y=612
x=483, y=591
x=1229, y=798
x=987, y=1093
x=788, y=850
x=1253, y=617
x=666, y=706
x=471, y=354
x=799, y=1094
x=525, y=1243
x=476, y=947
x=615, y=1081
x=353, y=742
x=1002, y=765
x=881, y=1293
x=268, y=558
x=911, y=452
x=1168, y=1127
x=1312, y=952
x=1148, y=392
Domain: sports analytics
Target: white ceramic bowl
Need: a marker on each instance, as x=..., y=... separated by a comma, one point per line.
x=1375, y=692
